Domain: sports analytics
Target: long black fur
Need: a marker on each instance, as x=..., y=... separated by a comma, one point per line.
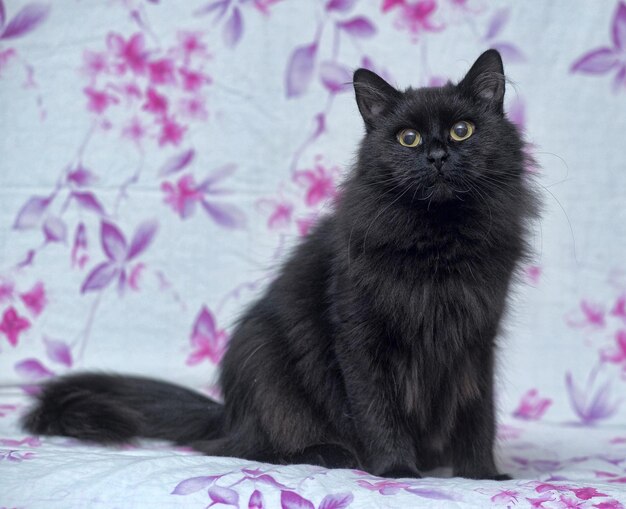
x=374, y=347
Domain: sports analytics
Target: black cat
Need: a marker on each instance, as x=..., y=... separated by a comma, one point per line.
x=374, y=347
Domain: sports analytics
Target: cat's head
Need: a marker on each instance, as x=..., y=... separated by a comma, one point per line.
x=439, y=144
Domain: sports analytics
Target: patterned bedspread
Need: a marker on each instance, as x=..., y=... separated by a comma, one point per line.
x=554, y=467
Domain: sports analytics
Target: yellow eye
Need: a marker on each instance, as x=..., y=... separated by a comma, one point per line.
x=409, y=138
x=461, y=130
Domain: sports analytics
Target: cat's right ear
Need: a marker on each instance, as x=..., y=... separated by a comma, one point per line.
x=374, y=96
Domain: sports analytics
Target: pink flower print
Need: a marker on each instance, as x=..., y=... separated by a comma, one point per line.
x=207, y=340
x=613, y=58
x=98, y=101
x=532, y=406
x=416, y=16
x=161, y=72
x=131, y=91
x=7, y=409
x=593, y=315
x=35, y=299
x=263, y=6
x=134, y=130
x=617, y=355
x=171, y=132
x=539, y=501
x=13, y=325
x=610, y=504
x=191, y=44
x=320, y=183
x=305, y=224
x=131, y=52
x=193, y=108
x=619, y=310
x=505, y=497
x=95, y=63
x=6, y=290
x=155, y=102
x=119, y=253
x=384, y=487
x=533, y=273
x=570, y=503
x=279, y=212
x=587, y=493
x=193, y=80
x=182, y=196
x=6, y=56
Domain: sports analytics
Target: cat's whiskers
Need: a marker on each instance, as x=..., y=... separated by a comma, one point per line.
x=392, y=179
x=379, y=214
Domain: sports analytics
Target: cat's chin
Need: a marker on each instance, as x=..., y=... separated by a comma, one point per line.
x=440, y=192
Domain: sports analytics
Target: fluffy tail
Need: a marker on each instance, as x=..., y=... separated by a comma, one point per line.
x=115, y=409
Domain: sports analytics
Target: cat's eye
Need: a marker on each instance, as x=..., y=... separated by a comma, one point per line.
x=461, y=130
x=409, y=138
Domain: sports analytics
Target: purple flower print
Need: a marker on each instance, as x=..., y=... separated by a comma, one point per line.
x=26, y=20
x=221, y=495
x=608, y=59
x=119, y=254
x=510, y=53
x=7, y=409
x=532, y=406
x=58, y=351
x=185, y=194
x=33, y=370
x=16, y=456
x=194, y=484
x=279, y=212
x=256, y=500
x=12, y=325
x=300, y=69
x=79, y=247
x=207, y=340
x=592, y=404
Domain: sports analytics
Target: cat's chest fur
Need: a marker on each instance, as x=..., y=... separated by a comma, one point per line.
x=431, y=312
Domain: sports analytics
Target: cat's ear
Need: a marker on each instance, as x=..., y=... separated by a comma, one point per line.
x=374, y=96
x=485, y=80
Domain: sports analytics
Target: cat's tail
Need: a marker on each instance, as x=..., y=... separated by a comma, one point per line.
x=113, y=409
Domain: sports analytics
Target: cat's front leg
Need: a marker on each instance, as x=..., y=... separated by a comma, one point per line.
x=474, y=435
x=385, y=447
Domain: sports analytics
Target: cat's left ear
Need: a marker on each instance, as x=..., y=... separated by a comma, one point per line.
x=374, y=96
x=485, y=80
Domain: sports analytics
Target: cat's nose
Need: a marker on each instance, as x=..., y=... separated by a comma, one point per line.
x=436, y=156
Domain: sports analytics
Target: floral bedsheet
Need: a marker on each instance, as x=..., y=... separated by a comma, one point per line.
x=554, y=467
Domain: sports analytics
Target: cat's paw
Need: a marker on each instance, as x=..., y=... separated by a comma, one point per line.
x=502, y=477
x=401, y=473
